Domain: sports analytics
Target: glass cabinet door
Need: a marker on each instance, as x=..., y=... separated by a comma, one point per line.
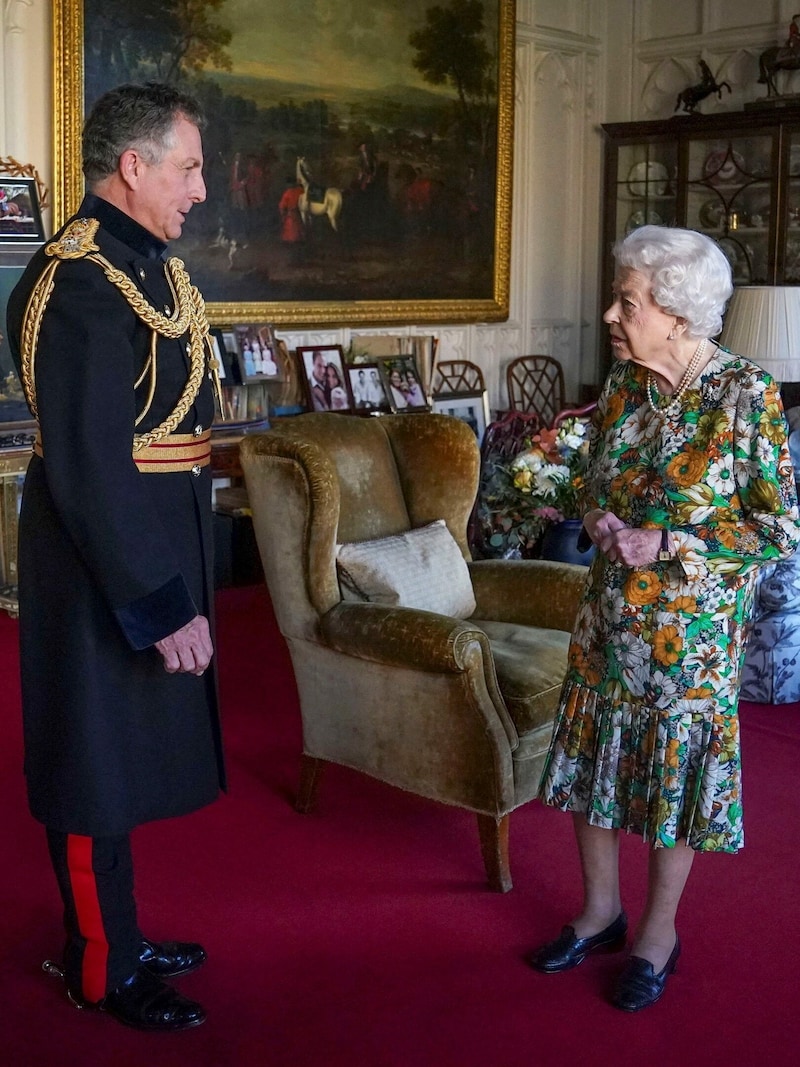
x=728, y=197
x=646, y=185
x=791, y=228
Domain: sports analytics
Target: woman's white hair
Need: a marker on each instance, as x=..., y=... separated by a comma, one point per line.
x=689, y=274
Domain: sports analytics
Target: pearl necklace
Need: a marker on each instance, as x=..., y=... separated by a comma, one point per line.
x=673, y=408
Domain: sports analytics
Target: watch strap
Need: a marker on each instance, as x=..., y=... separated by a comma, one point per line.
x=665, y=552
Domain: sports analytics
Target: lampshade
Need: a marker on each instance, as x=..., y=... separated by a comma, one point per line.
x=762, y=323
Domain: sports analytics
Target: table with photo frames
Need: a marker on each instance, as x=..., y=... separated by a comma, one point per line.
x=14, y=459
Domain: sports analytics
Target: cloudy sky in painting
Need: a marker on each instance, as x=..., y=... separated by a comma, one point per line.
x=326, y=42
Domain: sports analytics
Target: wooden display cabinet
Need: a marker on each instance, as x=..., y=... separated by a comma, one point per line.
x=734, y=176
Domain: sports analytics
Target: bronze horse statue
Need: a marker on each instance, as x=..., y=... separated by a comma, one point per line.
x=693, y=94
x=779, y=57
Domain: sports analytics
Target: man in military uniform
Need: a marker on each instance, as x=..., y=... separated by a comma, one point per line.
x=115, y=560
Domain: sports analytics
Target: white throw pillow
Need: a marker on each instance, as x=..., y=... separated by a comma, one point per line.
x=422, y=568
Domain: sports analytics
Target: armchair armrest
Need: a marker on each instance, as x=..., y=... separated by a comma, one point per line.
x=533, y=592
x=403, y=637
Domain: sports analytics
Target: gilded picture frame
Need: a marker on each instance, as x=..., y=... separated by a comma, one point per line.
x=422, y=168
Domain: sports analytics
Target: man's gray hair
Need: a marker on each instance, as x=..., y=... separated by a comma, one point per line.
x=134, y=116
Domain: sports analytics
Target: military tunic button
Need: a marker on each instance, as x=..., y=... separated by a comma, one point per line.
x=197, y=430
x=196, y=469
x=167, y=309
x=142, y=274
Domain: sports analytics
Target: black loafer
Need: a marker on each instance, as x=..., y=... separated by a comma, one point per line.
x=639, y=986
x=146, y=1003
x=168, y=959
x=568, y=951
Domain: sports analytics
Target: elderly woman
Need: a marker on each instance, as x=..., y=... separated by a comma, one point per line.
x=690, y=490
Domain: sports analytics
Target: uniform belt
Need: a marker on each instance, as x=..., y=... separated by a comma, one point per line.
x=175, y=453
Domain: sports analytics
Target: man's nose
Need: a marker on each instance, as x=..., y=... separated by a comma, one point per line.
x=199, y=190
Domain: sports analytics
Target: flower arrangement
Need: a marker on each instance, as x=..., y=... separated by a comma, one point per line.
x=541, y=484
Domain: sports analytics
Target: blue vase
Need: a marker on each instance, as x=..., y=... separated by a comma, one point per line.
x=560, y=542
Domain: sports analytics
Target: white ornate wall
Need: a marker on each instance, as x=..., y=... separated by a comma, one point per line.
x=579, y=63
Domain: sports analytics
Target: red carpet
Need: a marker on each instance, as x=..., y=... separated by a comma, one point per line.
x=362, y=935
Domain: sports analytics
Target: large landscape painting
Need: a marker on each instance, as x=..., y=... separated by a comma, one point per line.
x=358, y=154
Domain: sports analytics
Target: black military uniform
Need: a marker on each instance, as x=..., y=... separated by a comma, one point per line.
x=115, y=554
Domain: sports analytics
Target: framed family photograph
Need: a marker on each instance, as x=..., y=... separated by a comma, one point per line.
x=403, y=385
x=367, y=388
x=256, y=352
x=327, y=385
x=17, y=426
x=353, y=175
x=20, y=217
x=472, y=408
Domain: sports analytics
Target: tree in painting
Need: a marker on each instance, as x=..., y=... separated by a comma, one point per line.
x=451, y=48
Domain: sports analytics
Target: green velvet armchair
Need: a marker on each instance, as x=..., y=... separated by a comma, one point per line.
x=457, y=710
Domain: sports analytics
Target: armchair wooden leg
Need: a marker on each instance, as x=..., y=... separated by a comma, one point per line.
x=310, y=773
x=494, y=848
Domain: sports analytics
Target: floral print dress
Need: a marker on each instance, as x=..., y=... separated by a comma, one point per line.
x=646, y=738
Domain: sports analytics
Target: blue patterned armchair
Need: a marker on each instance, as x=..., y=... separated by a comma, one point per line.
x=771, y=672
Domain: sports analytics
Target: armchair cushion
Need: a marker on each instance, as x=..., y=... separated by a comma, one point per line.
x=421, y=568
x=530, y=662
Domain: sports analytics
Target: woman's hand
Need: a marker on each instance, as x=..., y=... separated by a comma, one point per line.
x=633, y=547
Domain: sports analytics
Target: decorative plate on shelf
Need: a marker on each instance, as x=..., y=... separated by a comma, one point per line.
x=737, y=256
x=712, y=214
x=641, y=218
x=723, y=166
x=648, y=179
x=792, y=264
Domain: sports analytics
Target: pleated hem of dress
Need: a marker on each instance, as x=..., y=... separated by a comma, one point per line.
x=655, y=772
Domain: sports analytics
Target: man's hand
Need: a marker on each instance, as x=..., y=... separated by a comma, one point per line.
x=188, y=650
x=621, y=543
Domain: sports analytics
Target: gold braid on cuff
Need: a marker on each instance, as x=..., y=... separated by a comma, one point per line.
x=77, y=242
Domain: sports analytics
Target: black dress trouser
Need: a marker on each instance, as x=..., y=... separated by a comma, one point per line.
x=95, y=877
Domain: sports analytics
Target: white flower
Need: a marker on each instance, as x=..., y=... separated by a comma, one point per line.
x=639, y=425
x=710, y=662
x=633, y=655
x=662, y=690
x=531, y=460
x=720, y=474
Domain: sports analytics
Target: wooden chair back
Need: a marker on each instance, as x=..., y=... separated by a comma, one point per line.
x=536, y=383
x=457, y=376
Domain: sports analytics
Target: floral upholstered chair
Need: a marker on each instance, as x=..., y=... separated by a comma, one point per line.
x=771, y=672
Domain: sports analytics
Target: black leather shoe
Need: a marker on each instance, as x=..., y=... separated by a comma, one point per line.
x=639, y=986
x=568, y=951
x=146, y=1003
x=168, y=959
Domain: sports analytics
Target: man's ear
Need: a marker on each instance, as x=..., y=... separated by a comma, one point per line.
x=130, y=167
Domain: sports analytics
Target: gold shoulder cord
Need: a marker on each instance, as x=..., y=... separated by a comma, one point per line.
x=77, y=242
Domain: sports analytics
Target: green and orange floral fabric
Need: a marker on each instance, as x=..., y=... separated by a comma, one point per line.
x=646, y=738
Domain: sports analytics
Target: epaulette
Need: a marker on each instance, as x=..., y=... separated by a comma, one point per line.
x=76, y=240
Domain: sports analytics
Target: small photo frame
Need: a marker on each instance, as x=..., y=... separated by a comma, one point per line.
x=367, y=388
x=472, y=408
x=20, y=218
x=403, y=384
x=255, y=351
x=327, y=384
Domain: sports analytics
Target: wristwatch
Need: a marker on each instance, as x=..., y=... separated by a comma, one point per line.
x=664, y=553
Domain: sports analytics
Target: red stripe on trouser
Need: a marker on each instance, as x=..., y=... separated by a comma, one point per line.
x=90, y=917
